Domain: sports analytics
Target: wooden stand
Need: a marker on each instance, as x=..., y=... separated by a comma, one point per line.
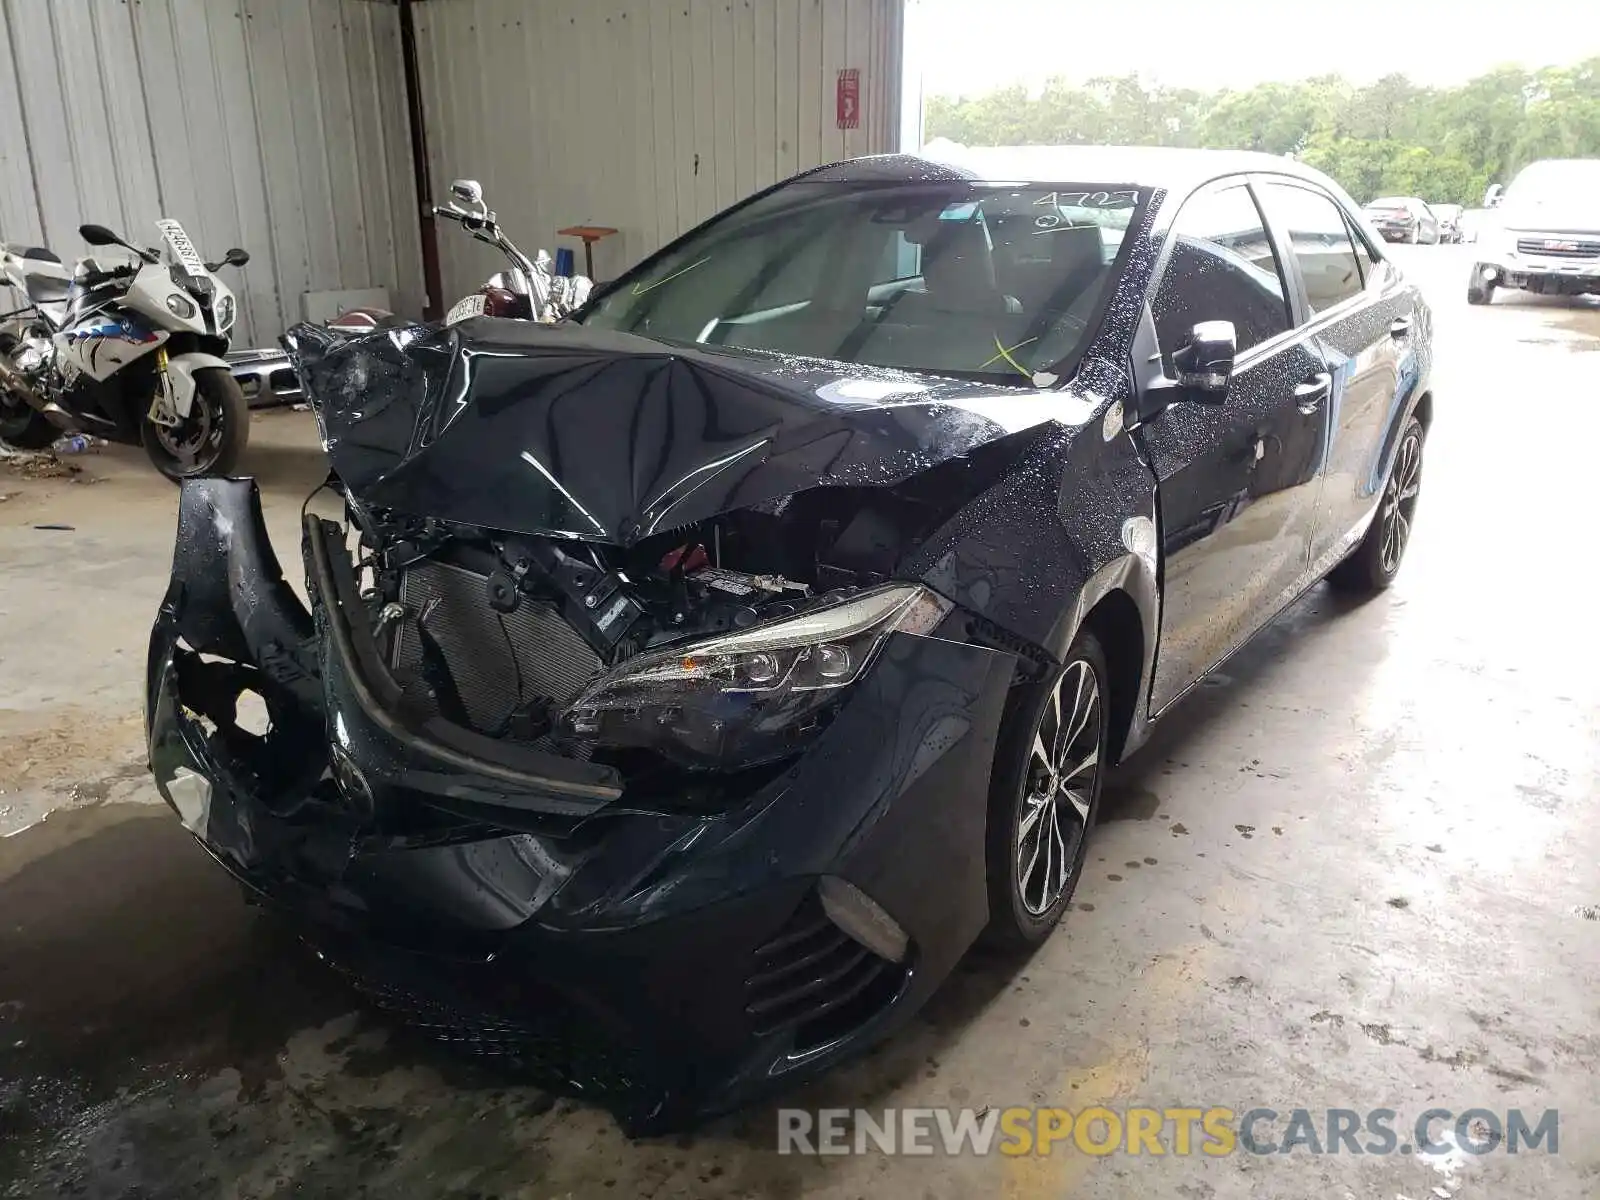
x=590, y=235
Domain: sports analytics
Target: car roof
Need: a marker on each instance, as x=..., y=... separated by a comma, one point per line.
x=1170, y=167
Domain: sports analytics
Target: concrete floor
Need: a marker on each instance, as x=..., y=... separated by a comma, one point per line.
x=1354, y=871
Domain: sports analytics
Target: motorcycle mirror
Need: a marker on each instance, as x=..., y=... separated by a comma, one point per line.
x=468, y=191
x=98, y=235
x=236, y=257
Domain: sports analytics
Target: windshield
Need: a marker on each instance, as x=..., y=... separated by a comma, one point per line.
x=1569, y=183
x=977, y=281
x=1390, y=202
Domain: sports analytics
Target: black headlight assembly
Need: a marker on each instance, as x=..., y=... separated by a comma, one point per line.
x=746, y=698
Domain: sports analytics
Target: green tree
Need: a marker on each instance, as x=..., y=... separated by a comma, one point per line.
x=1389, y=137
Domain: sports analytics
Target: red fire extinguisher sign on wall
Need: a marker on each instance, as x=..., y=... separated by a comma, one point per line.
x=849, y=98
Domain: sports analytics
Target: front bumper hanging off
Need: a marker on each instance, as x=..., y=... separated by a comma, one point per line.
x=667, y=964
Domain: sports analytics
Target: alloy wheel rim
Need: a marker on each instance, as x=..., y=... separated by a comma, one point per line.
x=1400, y=503
x=1058, y=788
x=194, y=442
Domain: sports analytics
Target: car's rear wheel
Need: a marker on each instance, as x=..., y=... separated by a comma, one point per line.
x=1045, y=795
x=1374, y=563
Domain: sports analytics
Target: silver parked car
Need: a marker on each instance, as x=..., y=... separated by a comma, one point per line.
x=1544, y=233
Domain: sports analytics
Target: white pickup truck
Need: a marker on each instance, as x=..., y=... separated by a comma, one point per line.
x=1543, y=235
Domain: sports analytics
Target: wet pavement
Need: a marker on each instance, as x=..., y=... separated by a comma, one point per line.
x=1357, y=870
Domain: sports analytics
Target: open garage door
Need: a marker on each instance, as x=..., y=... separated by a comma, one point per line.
x=641, y=115
x=275, y=125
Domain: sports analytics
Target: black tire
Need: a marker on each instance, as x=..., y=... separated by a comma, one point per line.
x=21, y=425
x=1374, y=563
x=25, y=428
x=212, y=439
x=1022, y=908
x=1479, y=293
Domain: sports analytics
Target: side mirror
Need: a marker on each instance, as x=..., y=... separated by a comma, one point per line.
x=1204, y=364
x=1492, y=197
x=236, y=257
x=468, y=191
x=98, y=235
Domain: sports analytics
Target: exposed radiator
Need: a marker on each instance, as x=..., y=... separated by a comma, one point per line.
x=488, y=653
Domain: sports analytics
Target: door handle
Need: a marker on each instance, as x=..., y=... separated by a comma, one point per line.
x=1400, y=327
x=1308, y=396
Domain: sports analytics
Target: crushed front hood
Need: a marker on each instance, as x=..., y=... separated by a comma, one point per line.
x=568, y=431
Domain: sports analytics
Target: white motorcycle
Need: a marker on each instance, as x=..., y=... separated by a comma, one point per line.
x=131, y=352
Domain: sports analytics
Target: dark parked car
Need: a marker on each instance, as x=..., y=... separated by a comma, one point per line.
x=692, y=682
x=1404, y=219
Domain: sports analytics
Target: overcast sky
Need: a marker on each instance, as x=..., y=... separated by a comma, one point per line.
x=967, y=46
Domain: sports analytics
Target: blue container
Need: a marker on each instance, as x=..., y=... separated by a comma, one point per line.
x=564, y=261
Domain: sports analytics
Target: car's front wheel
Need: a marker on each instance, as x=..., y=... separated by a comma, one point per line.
x=1479, y=292
x=1375, y=561
x=1045, y=794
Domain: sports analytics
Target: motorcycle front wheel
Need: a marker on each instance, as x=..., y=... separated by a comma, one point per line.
x=210, y=440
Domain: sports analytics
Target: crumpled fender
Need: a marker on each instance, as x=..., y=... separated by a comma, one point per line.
x=228, y=596
x=230, y=625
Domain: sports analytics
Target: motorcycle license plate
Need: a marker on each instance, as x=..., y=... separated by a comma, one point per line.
x=466, y=308
x=183, y=251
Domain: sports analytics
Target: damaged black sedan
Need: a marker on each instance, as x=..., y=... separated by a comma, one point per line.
x=690, y=683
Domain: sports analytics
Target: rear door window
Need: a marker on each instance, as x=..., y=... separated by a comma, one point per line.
x=1319, y=240
x=1374, y=267
x=1222, y=268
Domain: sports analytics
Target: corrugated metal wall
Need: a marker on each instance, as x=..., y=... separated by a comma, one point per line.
x=276, y=125
x=644, y=115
